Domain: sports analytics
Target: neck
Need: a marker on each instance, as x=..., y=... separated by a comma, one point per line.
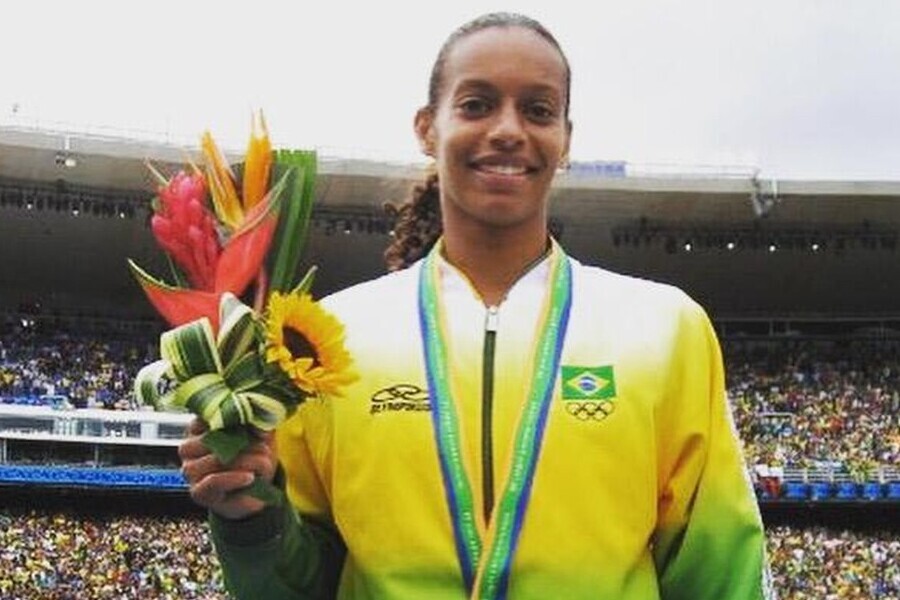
x=495, y=261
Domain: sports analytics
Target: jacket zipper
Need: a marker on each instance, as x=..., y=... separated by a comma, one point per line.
x=487, y=403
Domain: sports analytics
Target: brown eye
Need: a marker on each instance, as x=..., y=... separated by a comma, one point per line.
x=540, y=112
x=474, y=107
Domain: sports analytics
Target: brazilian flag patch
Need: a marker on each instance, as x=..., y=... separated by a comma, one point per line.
x=588, y=383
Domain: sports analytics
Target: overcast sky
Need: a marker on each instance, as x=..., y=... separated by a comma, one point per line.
x=796, y=88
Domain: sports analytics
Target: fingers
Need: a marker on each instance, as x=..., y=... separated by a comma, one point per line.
x=192, y=448
x=197, y=426
x=214, y=485
x=213, y=490
x=220, y=493
x=256, y=459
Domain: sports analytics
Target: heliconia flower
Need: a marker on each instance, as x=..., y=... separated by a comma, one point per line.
x=257, y=163
x=185, y=228
x=231, y=270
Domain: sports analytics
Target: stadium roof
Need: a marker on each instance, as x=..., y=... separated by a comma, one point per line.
x=622, y=216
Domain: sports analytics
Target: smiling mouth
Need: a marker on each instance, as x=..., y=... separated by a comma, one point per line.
x=506, y=170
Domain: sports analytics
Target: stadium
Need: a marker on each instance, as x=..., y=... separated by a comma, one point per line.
x=801, y=279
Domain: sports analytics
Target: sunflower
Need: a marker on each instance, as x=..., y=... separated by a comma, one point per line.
x=307, y=343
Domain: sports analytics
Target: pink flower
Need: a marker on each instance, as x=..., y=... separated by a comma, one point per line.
x=185, y=228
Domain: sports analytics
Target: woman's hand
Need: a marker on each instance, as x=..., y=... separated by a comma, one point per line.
x=215, y=486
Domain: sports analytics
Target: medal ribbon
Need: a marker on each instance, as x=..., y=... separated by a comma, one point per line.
x=489, y=578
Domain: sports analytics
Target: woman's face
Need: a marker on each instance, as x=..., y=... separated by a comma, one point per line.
x=499, y=130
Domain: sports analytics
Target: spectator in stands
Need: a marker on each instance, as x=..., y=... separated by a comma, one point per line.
x=814, y=403
x=77, y=371
x=816, y=564
x=67, y=555
x=638, y=422
x=44, y=555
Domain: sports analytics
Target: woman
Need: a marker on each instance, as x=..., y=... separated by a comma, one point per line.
x=524, y=426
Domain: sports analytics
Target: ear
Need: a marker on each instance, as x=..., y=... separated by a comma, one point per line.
x=564, y=159
x=424, y=126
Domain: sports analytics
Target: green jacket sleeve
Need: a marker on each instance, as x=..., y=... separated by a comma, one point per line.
x=709, y=543
x=278, y=555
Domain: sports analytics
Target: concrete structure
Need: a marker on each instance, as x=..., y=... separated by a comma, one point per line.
x=833, y=243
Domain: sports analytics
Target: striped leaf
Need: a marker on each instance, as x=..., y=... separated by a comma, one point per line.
x=245, y=373
x=148, y=380
x=290, y=238
x=238, y=331
x=247, y=392
x=268, y=412
x=204, y=396
x=191, y=349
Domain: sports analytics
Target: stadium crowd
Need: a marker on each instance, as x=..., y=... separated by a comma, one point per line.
x=68, y=370
x=61, y=556
x=820, y=564
x=817, y=403
x=798, y=402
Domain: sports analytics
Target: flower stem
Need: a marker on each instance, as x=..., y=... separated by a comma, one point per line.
x=262, y=285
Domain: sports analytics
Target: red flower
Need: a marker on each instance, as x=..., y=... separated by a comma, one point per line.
x=185, y=229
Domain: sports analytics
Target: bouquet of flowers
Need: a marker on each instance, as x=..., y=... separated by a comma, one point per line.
x=238, y=368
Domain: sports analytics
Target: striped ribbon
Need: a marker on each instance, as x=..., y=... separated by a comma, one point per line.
x=485, y=564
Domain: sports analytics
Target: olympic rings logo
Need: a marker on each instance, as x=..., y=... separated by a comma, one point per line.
x=590, y=411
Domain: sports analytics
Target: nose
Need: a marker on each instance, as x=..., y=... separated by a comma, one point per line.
x=507, y=131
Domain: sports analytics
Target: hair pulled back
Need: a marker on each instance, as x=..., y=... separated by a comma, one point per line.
x=418, y=219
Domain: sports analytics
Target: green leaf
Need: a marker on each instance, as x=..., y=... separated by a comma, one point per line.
x=177, y=275
x=204, y=395
x=293, y=226
x=278, y=384
x=306, y=283
x=191, y=348
x=226, y=444
x=146, y=384
x=238, y=330
x=268, y=412
x=265, y=491
x=244, y=373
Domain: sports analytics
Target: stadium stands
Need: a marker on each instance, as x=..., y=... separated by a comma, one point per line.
x=67, y=555
x=64, y=555
x=818, y=417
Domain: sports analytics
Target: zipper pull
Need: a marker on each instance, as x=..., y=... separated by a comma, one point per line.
x=492, y=320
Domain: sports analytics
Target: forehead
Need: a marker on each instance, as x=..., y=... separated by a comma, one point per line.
x=503, y=56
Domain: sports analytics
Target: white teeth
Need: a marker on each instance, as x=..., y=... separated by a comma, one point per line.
x=504, y=169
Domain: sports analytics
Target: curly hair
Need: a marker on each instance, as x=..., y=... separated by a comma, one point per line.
x=417, y=224
x=418, y=218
